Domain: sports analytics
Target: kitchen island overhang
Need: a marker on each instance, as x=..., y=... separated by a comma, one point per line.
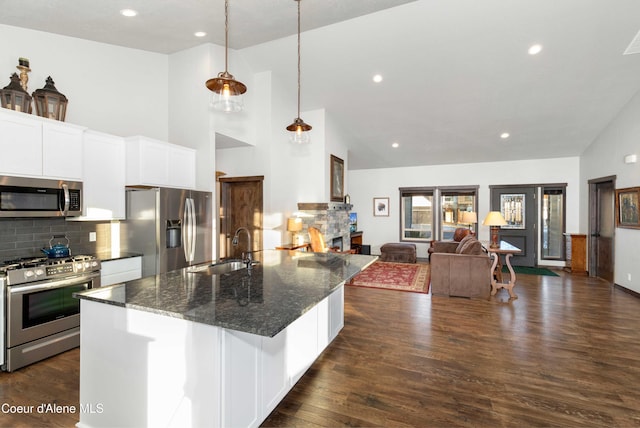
x=187, y=349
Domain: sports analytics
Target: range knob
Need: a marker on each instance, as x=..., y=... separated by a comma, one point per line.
x=39, y=272
x=78, y=266
x=87, y=265
x=28, y=274
x=94, y=263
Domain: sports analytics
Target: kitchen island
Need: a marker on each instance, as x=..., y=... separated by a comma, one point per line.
x=192, y=348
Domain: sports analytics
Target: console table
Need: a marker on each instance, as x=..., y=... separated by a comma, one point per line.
x=507, y=250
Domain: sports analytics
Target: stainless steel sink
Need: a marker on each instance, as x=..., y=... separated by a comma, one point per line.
x=219, y=268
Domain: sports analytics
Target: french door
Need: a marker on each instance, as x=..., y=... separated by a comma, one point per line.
x=519, y=207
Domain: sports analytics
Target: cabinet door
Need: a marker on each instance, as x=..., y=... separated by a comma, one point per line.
x=21, y=145
x=241, y=379
x=336, y=312
x=62, y=151
x=182, y=167
x=104, y=177
x=121, y=270
x=302, y=344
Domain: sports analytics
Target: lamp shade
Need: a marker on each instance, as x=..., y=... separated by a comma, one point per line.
x=494, y=218
x=469, y=217
x=294, y=224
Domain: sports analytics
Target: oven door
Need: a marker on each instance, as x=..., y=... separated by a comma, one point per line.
x=38, y=310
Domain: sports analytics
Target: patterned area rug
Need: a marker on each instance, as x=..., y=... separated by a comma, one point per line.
x=394, y=276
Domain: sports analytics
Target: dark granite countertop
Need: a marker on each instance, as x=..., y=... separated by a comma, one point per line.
x=263, y=301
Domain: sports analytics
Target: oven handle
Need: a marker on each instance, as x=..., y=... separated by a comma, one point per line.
x=49, y=285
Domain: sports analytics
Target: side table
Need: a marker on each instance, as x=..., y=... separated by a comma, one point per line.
x=507, y=250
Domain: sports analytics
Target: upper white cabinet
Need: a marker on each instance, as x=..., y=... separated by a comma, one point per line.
x=157, y=163
x=35, y=146
x=62, y=150
x=21, y=144
x=104, y=177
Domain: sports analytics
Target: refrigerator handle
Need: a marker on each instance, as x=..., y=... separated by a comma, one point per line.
x=186, y=229
x=192, y=238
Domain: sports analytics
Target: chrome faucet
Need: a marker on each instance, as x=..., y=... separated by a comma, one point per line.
x=247, y=260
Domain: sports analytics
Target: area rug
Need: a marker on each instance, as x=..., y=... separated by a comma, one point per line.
x=394, y=276
x=530, y=270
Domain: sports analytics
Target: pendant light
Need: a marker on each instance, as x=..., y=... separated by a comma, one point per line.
x=227, y=91
x=299, y=130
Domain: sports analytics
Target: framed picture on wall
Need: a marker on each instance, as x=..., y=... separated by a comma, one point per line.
x=381, y=207
x=627, y=201
x=337, y=179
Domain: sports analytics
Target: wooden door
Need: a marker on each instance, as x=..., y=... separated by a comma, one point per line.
x=240, y=206
x=521, y=212
x=602, y=227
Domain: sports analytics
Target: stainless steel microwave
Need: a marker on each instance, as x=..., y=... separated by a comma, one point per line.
x=38, y=197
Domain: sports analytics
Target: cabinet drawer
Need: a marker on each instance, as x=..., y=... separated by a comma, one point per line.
x=114, y=271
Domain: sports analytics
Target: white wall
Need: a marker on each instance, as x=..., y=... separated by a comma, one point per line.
x=364, y=185
x=111, y=89
x=605, y=157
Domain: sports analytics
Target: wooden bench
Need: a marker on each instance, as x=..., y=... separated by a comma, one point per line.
x=399, y=253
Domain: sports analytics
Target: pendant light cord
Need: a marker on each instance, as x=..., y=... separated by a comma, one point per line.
x=226, y=34
x=298, y=58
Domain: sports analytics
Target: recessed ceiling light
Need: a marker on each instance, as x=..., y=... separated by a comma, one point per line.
x=395, y=145
x=535, y=49
x=504, y=135
x=377, y=78
x=199, y=34
x=128, y=13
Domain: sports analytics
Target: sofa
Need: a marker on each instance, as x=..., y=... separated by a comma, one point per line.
x=462, y=269
x=449, y=246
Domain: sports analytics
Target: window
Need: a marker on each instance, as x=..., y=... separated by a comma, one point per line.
x=453, y=202
x=553, y=223
x=416, y=214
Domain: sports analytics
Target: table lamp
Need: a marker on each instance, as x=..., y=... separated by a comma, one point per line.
x=494, y=219
x=294, y=225
x=468, y=217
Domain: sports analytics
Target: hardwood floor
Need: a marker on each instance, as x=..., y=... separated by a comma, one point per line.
x=565, y=353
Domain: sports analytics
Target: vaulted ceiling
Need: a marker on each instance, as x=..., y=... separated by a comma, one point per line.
x=456, y=73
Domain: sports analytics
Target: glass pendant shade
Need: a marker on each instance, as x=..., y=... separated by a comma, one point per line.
x=227, y=92
x=14, y=97
x=49, y=102
x=298, y=132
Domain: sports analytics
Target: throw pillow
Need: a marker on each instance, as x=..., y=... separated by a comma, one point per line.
x=473, y=247
x=463, y=242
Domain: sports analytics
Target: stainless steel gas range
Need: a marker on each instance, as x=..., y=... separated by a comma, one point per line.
x=41, y=316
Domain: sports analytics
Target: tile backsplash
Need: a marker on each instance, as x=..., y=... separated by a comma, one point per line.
x=25, y=237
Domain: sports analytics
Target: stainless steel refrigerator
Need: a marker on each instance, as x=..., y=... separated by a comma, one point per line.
x=170, y=227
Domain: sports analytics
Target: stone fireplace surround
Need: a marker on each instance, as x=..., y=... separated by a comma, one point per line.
x=331, y=218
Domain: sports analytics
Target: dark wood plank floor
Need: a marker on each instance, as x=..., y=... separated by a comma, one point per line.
x=565, y=353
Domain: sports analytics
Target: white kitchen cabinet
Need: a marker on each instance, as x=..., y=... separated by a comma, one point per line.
x=120, y=270
x=157, y=163
x=241, y=379
x=21, y=144
x=62, y=150
x=35, y=146
x=103, y=177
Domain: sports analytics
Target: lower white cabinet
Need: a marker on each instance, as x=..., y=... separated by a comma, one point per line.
x=147, y=369
x=120, y=270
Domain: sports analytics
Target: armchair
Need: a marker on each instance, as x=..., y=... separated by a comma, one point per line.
x=318, y=244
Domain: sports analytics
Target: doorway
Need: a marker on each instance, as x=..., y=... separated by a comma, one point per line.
x=519, y=207
x=240, y=206
x=602, y=227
